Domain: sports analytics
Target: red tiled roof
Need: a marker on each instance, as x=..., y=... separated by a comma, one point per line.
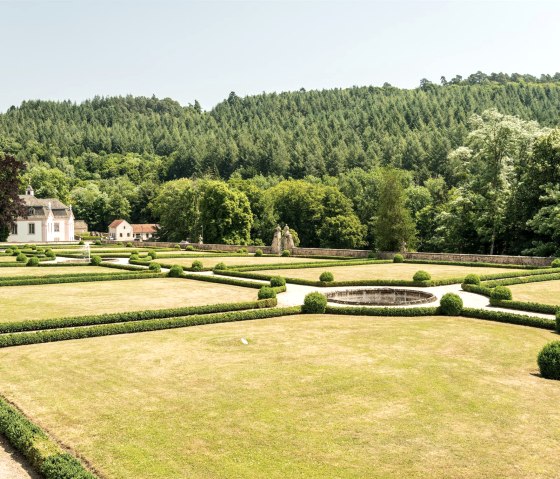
x=116, y=223
x=144, y=228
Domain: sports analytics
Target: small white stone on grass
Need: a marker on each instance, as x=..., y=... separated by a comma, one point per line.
x=244, y=341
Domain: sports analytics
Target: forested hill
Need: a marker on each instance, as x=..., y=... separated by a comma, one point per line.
x=289, y=134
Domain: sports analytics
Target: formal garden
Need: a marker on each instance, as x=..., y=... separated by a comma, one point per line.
x=122, y=361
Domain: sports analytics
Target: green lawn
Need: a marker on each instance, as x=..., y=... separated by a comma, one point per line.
x=67, y=270
x=547, y=292
x=75, y=299
x=386, y=271
x=309, y=397
x=236, y=260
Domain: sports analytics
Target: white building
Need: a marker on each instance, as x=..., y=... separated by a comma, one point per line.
x=122, y=230
x=47, y=220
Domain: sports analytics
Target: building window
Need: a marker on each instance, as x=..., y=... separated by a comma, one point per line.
x=14, y=229
x=121, y=235
x=31, y=228
x=57, y=227
x=128, y=235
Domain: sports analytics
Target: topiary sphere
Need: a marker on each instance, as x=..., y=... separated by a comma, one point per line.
x=501, y=293
x=8, y=251
x=314, y=303
x=326, y=277
x=33, y=246
x=422, y=276
x=549, y=361
x=81, y=242
x=266, y=292
x=155, y=267
x=472, y=279
x=451, y=304
x=286, y=252
x=152, y=254
x=129, y=245
x=50, y=254
x=95, y=260
x=258, y=252
x=33, y=261
x=21, y=258
x=197, y=265
x=398, y=258
x=133, y=257
x=97, y=242
x=277, y=281
x=176, y=271
x=189, y=248
x=15, y=251
x=555, y=263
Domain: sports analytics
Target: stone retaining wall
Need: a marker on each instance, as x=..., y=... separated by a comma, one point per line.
x=473, y=258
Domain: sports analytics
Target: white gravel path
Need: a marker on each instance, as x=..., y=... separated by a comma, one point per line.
x=12, y=465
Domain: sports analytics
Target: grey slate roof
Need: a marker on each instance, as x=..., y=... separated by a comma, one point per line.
x=38, y=208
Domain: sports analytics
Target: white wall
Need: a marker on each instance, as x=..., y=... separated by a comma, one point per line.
x=23, y=235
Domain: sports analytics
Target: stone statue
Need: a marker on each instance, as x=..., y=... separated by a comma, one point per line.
x=276, y=241
x=200, y=239
x=287, y=240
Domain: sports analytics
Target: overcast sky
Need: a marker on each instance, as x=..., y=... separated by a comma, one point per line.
x=187, y=50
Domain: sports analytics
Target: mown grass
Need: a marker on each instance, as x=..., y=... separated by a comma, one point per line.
x=308, y=397
x=546, y=292
x=19, y=303
x=236, y=260
x=44, y=271
x=403, y=271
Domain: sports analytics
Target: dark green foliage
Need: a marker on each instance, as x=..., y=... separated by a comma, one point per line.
x=555, y=263
x=81, y=242
x=472, y=279
x=155, y=267
x=512, y=318
x=189, y=248
x=451, y=305
x=549, y=361
x=385, y=311
x=258, y=252
x=525, y=306
x=197, y=265
x=276, y=281
x=326, y=277
x=21, y=258
x=129, y=245
x=175, y=271
x=398, y=258
x=152, y=254
x=314, y=303
x=133, y=257
x=11, y=205
x=220, y=267
x=501, y=293
x=95, y=260
x=50, y=254
x=33, y=261
x=422, y=276
x=266, y=292
x=286, y=252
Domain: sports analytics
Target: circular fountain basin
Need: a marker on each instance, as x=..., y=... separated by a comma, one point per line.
x=381, y=297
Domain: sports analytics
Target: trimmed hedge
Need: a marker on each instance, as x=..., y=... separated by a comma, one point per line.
x=21, y=258
x=525, y=306
x=473, y=288
x=472, y=279
x=422, y=275
x=33, y=261
x=307, y=264
x=45, y=456
x=314, y=303
x=501, y=293
x=535, y=278
x=276, y=281
x=156, y=267
x=512, y=318
x=286, y=253
x=95, y=260
x=83, y=278
x=258, y=252
x=266, y=292
x=326, y=277
x=47, y=336
x=451, y=304
x=110, y=318
x=472, y=263
x=222, y=280
x=398, y=258
x=382, y=311
x=197, y=266
x=549, y=361
x=175, y=271
x=555, y=263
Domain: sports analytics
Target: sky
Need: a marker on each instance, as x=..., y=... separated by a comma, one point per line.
x=203, y=50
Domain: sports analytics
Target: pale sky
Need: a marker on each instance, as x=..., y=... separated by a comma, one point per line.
x=189, y=50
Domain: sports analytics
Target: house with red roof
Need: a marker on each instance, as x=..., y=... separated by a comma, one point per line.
x=122, y=230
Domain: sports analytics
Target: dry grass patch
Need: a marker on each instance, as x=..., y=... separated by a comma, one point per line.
x=236, y=260
x=67, y=270
x=546, y=292
x=386, y=271
x=75, y=299
x=310, y=396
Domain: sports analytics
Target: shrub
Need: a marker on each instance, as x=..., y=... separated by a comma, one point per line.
x=372, y=255
x=133, y=257
x=21, y=258
x=175, y=271
x=555, y=263
x=314, y=303
x=33, y=261
x=326, y=277
x=242, y=251
x=258, y=252
x=8, y=251
x=472, y=279
x=95, y=260
x=286, y=252
x=15, y=251
x=197, y=265
x=177, y=246
x=220, y=267
x=549, y=360
x=152, y=254
x=26, y=246
x=277, y=281
x=97, y=242
x=422, y=276
x=81, y=242
x=189, y=248
x=398, y=258
x=155, y=267
x=33, y=246
x=451, y=304
x=129, y=245
x=501, y=293
x=266, y=292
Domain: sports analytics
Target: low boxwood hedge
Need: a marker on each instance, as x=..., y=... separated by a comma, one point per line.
x=44, y=455
x=276, y=281
x=500, y=293
x=223, y=280
x=382, y=311
x=46, y=336
x=308, y=264
x=83, y=278
x=197, y=265
x=512, y=318
x=472, y=279
x=266, y=292
x=525, y=306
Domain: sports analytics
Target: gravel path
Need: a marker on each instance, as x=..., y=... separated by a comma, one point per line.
x=12, y=465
